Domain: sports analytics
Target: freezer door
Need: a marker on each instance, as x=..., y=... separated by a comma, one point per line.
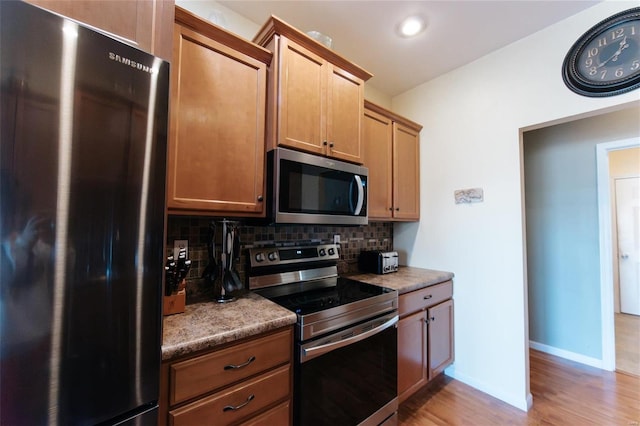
x=83, y=128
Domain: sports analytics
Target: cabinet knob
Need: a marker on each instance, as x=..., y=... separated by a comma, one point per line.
x=397, y=208
x=324, y=143
x=428, y=296
x=432, y=318
x=390, y=209
x=260, y=198
x=331, y=145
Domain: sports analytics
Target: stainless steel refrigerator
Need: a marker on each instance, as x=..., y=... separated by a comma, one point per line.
x=83, y=127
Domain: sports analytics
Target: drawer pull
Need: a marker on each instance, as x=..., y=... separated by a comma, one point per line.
x=428, y=296
x=237, y=407
x=235, y=367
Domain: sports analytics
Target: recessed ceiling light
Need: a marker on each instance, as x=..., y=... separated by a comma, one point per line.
x=411, y=26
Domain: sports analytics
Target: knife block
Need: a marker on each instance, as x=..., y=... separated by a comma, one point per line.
x=174, y=304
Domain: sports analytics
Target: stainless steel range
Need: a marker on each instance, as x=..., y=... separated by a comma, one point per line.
x=346, y=335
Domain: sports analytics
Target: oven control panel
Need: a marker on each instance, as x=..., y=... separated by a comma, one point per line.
x=274, y=256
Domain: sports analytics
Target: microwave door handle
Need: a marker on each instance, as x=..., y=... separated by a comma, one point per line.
x=358, y=208
x=351, y=206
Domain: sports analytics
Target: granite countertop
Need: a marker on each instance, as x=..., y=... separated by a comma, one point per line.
x=406, y=279
x=205, y=325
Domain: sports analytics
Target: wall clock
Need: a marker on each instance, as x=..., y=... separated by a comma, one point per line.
x=605, y=61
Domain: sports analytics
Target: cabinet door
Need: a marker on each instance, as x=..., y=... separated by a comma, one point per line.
x=412, y=356
x=377, y=133
x=345, y=100
x=146, y=24
x=440, y=344
x=216, y=142
x=406, y=171
x=302, y=94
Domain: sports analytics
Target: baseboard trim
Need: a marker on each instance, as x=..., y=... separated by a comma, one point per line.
x=523, y=404
x=571, y=356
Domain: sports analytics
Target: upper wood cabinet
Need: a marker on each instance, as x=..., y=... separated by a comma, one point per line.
x=216, y=157
x=316, y=97
x=392, y=155
x=145, y=24
x=406, y=172
x=377, y=137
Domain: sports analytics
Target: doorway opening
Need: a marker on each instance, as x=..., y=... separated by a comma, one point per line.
x=570, y=296
x=619, y=324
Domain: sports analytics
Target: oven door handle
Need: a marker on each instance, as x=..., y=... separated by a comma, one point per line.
x=310, y=353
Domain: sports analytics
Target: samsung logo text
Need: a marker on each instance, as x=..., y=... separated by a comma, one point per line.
x=131, y=63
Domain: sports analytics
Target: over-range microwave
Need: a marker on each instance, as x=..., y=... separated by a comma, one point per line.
x=310, y=189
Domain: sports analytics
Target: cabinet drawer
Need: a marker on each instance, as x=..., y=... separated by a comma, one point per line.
x=279, y=415
x=237, y=402
x=194, y=377
x=423, y=298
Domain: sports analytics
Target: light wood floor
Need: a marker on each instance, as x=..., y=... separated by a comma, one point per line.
x=565, y=393
x=628, y=343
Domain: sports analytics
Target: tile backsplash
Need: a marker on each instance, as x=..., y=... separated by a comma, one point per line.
x=353, y=239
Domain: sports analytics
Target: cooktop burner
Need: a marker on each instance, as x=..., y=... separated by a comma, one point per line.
x=324, y=294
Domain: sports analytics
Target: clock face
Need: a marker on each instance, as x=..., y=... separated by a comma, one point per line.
x=613, y=55
x=605, y=61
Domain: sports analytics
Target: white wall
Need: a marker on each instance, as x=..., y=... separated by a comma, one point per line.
x=473, y=119
x=376, y=96
x=222, y=16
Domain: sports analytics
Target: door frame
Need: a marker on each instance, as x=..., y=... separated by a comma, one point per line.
x=606, y=247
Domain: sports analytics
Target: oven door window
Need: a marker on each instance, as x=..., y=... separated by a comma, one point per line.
x=349, y=384
x=306, y=188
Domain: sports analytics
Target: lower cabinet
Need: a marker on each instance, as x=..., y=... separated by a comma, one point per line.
x=247, y=383
x=440, y=337
x=412, y=354
x=425, y=336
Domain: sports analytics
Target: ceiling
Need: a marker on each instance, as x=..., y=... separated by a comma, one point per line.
x=458, y=31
